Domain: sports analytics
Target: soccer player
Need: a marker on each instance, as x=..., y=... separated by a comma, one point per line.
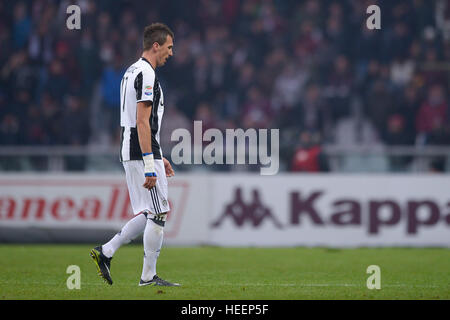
x=141, y=112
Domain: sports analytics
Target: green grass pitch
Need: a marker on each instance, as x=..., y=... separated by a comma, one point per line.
x=39, y=272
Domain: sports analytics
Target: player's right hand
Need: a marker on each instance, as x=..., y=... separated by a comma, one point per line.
x=149, y=170
x=150, y=182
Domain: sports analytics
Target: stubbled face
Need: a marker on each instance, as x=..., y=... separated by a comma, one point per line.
x=165, y=51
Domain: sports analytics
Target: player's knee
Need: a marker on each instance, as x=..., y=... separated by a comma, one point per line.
x=159, y=219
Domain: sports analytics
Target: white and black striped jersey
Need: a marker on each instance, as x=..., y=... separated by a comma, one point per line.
x=139, y=83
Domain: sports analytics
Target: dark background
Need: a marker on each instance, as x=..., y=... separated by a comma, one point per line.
x=310, y=68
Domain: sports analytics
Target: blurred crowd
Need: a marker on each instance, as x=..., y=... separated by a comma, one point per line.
x=311, y=68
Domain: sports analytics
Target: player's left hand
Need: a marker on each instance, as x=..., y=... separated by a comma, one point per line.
x=168, y=168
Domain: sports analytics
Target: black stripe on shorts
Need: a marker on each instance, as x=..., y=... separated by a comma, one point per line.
x=154, y=200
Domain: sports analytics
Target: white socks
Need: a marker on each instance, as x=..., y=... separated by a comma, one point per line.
x=153, y=238
x=130, y=231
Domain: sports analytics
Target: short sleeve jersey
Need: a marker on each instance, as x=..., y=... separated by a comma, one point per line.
x=139, y=83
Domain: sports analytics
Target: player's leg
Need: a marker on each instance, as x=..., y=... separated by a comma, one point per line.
x=130, y=231
x=153, y=239
x=154, y=229
x=102, y=255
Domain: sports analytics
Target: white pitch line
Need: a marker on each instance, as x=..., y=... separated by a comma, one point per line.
x=322, y=285
x=90, y=284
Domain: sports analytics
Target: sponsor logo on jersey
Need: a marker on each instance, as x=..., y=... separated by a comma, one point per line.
x=148, y=91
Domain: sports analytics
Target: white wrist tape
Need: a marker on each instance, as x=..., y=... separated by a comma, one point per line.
x=149, y=165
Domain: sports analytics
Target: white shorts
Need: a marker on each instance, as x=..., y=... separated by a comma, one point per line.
x=154, y=200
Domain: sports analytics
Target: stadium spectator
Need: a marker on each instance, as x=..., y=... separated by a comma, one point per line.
x=257, y=111
x=396, y=133
x=74, y=130
x=288, y=86
x=379, y=104
x=89, y=62
x=205, y=114
x=308, y=156
x=57, y=83
x=338, y=88
x=21, y=25
x=434, y=111
x=402, y=70
x=253, y=63
x=50, y=120
x=111, y=79
x=10, y=130
x=177, y=121
x=407, y=104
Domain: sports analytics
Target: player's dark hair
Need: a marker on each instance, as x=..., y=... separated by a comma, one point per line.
x=156, y=32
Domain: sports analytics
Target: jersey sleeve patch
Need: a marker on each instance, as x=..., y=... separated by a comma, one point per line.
x=144, y=84
x=148, y=91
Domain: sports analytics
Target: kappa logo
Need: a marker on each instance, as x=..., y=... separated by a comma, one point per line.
x=240, y=212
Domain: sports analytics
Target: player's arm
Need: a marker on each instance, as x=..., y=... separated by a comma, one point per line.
x=144, y=110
